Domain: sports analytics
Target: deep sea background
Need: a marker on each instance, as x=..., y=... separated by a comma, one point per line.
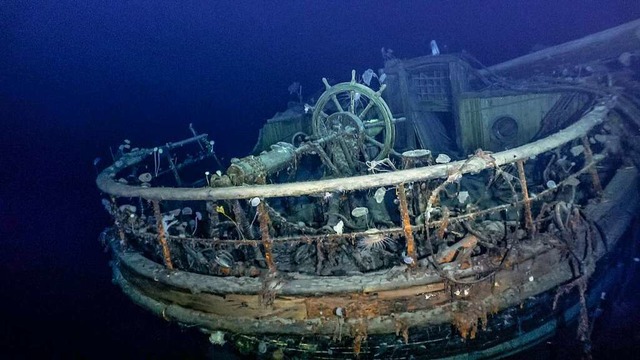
x=79, y=76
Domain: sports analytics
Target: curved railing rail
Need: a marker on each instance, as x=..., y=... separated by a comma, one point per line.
x=106, y=180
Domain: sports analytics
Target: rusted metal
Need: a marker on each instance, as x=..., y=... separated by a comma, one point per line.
x=588, y=157
x=528, y=217
x=406, y=224
x=442, y=229
x=166, y=254
x=241, y=219
x=263, y=216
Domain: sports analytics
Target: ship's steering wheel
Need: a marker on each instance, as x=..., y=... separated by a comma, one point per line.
x=356, y=108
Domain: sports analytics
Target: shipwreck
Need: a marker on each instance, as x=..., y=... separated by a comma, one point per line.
x=437, y=210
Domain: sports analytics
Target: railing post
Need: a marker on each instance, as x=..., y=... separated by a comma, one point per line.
x=162, y=237
x=588, y=157
x=406, y=224
x=263, y=216
x=214, y=220
x=528, y=217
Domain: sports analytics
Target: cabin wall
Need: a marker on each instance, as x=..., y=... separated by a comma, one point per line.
x=488, y=122
x=424, y=90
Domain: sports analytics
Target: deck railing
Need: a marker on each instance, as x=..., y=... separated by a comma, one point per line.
x=515, y=194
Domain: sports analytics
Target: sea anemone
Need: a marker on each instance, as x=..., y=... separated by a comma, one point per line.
x=145, y=178
x=379, y=195
x=374, y=239
x=361, y=212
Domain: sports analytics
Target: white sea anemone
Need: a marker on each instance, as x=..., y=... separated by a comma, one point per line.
x=145, y=178
x=379, y=195
x=443, y=159
x=217, y=338
x=359, y=212
x=463, y=196
x=339, y=227
x=367, y=76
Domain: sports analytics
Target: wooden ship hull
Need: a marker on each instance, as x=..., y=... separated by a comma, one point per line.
x=353, y=239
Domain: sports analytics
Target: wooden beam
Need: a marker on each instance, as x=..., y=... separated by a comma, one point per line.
x=609, y=43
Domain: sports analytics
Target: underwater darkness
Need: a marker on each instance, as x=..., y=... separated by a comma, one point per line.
x=77, y=77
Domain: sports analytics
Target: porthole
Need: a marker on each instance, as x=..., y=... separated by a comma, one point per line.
x=505, y=129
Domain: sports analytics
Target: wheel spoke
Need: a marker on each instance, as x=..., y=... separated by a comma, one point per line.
x=336, y=103
x=363, y=151
x=352, y=102
x=365, y=110
x=373, y=123
x=374, y=141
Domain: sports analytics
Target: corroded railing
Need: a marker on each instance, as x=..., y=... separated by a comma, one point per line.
x=434, y=223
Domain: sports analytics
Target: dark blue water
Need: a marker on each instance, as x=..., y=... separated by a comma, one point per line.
x=79, y=76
